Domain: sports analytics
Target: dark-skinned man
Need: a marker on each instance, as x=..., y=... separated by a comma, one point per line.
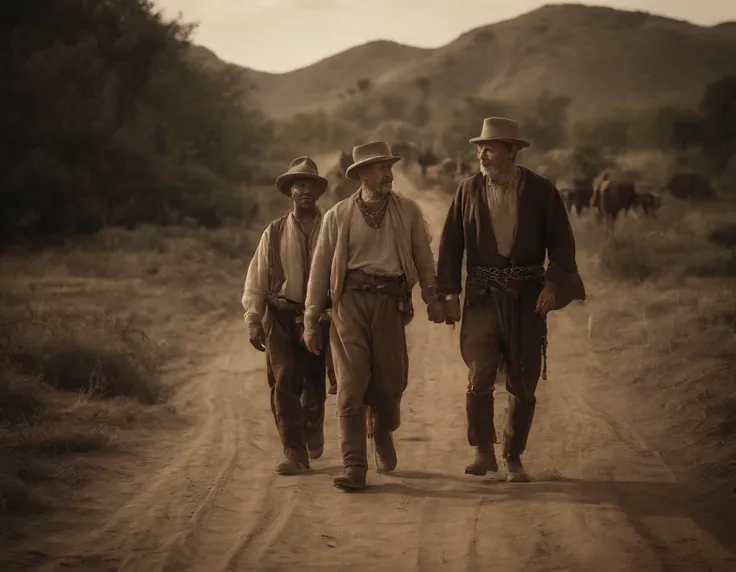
x=273, y=299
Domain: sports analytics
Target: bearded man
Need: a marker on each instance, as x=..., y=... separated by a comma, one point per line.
x=373, y=248
x=504, y=219
x=273, y=299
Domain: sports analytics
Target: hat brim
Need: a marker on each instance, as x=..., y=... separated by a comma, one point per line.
x=283, y=182
x=351, y=173
x=521, y=143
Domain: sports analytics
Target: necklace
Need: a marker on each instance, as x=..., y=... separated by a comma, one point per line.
x=373, y=219
x=505, y=186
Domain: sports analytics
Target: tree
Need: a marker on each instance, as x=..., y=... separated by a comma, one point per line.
x=423, y=85
x=608, y=133
x=466, y=120
x=394, y=105
x=718, y=111
x=421, y=115
x=107, y=120
x=546, y=126
x=364, y=85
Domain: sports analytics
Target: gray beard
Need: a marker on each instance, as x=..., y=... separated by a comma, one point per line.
x=493, y=172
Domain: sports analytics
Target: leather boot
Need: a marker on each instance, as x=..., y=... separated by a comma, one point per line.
x=354, y=453
x=316, y=442
x=515, y=472
x=384, y=452
x=485, y=462
x=291, y=465
x=519, y=418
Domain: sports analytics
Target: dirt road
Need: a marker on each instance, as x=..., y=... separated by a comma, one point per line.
x=600, y=500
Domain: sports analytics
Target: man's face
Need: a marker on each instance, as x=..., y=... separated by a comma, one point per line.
x=495, y=157
x=378, y=176
x=304, y=193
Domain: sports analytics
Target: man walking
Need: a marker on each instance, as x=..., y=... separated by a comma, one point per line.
x=373, y=248
x=273, y=299
x=505, y=219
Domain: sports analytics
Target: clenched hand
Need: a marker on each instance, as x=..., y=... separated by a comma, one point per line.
x=452, y=309
x=436, y=311
x=257, y=336
x=313, y=339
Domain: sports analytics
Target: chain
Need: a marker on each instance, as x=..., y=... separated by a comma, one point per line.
x=500, y=278
x=503, y=276
x=374, y=219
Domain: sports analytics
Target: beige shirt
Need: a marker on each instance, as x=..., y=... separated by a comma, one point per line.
x=503, y=205
x=330, y=263
x=296, y=257
x=373, y=250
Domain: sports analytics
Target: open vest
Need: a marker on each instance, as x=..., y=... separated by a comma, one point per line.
x=276, y=275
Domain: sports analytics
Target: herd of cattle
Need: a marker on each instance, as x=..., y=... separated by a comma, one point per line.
x=609, y=195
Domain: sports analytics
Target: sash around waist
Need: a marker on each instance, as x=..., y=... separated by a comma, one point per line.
x=390, y=285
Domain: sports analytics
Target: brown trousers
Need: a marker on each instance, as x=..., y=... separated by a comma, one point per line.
x=368, y=343
x=484, y=349
x=297, y=381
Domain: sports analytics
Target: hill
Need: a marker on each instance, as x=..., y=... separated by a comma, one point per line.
x=603, y=58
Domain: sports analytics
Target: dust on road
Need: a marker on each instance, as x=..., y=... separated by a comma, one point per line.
x=600, y=500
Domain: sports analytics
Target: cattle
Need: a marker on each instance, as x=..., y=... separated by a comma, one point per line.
x=648, y=202
x=578, y=196
x=612, y=196
x=690, y=186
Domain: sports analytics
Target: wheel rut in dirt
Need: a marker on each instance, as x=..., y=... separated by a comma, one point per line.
x=598, y=495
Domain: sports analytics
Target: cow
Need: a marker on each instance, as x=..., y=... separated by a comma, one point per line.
x=611, y=196
x=691, y=186
x=578, y=196
x=648, y=202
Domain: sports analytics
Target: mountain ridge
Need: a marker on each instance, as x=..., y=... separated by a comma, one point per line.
x=603, y=58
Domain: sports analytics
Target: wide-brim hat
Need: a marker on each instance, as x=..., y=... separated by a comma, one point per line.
x=502, y=130
x=301, y=168
x=374, y=152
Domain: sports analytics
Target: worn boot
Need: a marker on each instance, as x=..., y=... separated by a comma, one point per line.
x=354, y=455
x=384, y=452
x=515, y=472
x=481, y=432
x=316, y=442
x=520, y=415
x=291, y=464
x=485, y=462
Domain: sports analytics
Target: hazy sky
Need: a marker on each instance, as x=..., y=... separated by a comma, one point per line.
x=282, y=35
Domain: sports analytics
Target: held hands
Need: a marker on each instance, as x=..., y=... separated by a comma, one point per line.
x=257, y=336
x=436, y=310
x=313, y=339
x=453, y=312
x=546, y=301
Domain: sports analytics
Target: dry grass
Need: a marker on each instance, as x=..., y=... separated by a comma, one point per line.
x=86, y=330
x=663, y=302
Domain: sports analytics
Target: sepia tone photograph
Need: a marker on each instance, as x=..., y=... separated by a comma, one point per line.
x=386, y=286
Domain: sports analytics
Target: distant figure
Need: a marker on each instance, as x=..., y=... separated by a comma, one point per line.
x=273, y=299
x=344, y=162
x=426, y=159
x=505, y=220
x=372, y=250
